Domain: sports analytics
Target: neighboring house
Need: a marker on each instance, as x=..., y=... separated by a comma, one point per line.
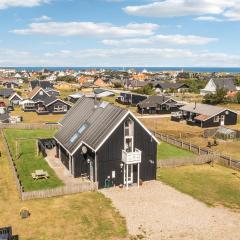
x=52, y=105
x=73, y=98
x=100, y=83
x=217, y=83
x=52, y=92
x=205, y=116
x=6, y=92
x=106, y=143
x=135, y=84
x=15, y=99
x=11, y=84
x=41, y=83
x=130, y=98
x=38, y=94
x=169, y=87
x=158, y=105
x=102, y=93
x=4, y=118
x=28, y=105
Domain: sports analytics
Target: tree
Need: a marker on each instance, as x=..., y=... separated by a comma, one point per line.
x=238, y=97
x=217, y=98
x=147, y=90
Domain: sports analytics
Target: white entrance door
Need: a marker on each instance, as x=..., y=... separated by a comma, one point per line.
x=91, y=171
x=222, y=120
x=128, y=173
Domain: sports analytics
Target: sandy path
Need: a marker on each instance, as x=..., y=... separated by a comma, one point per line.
x=158, y=211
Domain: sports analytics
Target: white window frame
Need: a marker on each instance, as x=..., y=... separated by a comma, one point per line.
x=216, y=119
x=58, y=108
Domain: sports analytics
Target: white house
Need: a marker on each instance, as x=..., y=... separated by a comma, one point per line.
x=215, y=83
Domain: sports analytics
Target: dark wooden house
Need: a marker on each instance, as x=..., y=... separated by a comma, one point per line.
x=41, y=83
x=170, y=87
x=52, y=105
x=204, y=115
x=15, y=99
x=130, y=98
x=106, y=143
x=158, y=105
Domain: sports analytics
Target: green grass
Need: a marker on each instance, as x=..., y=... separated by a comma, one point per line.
x=27, y=160
x=212, y=185
x=167, y=151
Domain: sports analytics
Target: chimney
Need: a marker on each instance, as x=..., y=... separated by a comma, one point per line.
x=195, y=106
x=95, y=101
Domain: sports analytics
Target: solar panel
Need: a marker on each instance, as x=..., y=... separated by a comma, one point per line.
x=103, y=104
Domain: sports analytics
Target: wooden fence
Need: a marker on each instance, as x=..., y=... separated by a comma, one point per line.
x=53, y=192
x=218, y=157
x=29, y=126
x=60, y=191
x=178, y=162
x=12, y=164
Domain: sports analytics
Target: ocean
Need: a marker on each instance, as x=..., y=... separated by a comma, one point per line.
x=150, y=69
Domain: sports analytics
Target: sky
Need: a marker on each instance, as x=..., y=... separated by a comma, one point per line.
x=122, y=33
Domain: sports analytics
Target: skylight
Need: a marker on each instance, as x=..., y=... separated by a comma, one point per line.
x=103, y=104
x=80, y=131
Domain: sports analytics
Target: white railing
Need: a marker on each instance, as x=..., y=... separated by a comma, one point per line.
x=176, y=114
x=132, y=157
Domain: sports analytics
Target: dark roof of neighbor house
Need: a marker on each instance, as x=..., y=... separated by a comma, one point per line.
x=137, y=83
x=14, y=94
x=6, y=92
x=41, y=83
x=153, y=101
x=167, y=85
x=97, y=119
x=226, y=83
x=35, y=91
x=203, y=109
x=50, y=99
x=4, y=116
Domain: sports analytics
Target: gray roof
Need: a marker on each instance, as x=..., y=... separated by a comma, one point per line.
x=168, y=85
x=4, y=116
x=226, y=83
x=99, y=120
x=6, y=92
x=49, y=99
x=203, y=109
x=153, y=101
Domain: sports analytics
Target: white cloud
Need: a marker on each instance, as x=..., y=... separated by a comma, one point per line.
x=89, y=29
x=208, y=19
x=170, y=39
x=120, y=57
x=171, y=8
x=21, y=3
x=42, y=18
x=229, y=9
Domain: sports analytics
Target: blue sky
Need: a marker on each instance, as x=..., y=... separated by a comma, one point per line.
x=102, y=33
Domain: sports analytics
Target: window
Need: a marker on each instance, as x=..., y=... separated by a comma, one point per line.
x=80, y=131
x=216, y=119
x=58, y=108
x=74, y=138
x=41, y=93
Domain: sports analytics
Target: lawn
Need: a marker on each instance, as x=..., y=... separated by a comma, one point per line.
x=212, y=185
x=167, y=151
x=193, y=134
x=32, y=117
x=27, y=160
x=79, y=216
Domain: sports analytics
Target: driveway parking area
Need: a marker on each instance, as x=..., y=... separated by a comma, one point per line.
x=156, y=211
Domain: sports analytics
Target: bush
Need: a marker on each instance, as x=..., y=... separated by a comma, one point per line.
x=217, y=98
x=147, y=90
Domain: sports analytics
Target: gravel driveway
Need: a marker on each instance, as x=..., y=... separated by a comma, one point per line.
x=158, y=211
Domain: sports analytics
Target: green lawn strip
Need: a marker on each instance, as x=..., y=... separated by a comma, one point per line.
x=28, y=161
x=212, y=185
x=167, y=151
